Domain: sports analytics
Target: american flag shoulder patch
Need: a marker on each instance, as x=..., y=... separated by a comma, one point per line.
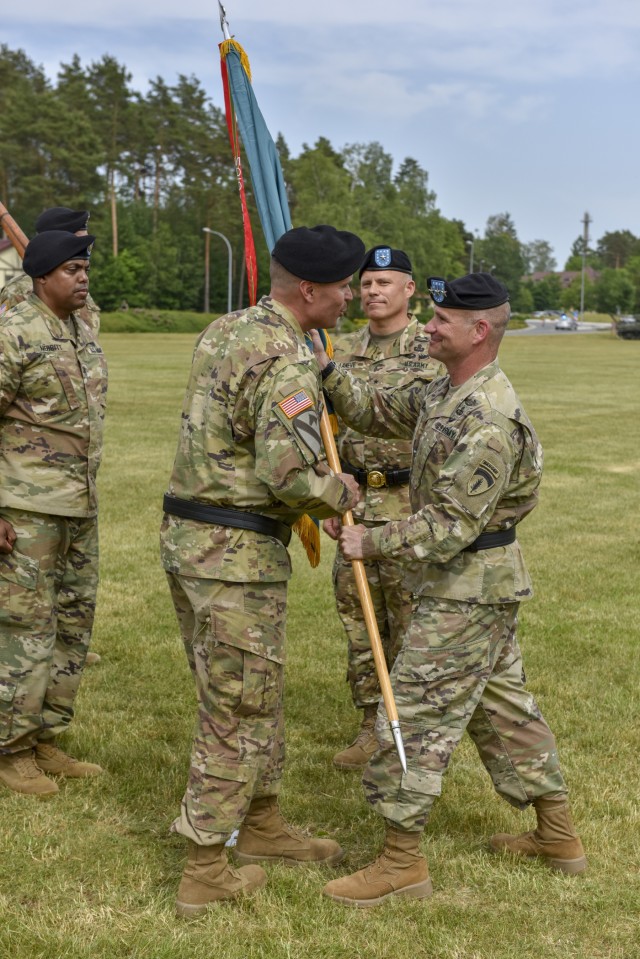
x=296, y=403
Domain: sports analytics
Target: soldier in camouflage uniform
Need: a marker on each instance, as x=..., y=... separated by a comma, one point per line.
x=249, y=463
x=21, y=286
x=475, y=473
x=52, y=399
x=392, y=350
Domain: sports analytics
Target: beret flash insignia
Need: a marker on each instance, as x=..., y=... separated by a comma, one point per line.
x=437, y=290
x=382, y=256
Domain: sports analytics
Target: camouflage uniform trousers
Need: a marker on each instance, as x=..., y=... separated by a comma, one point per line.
x=48, y=588
x=233, y=635
x=459, y=668
x=392, y=604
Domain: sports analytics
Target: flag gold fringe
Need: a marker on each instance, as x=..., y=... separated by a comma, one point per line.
x=309, y=535
x=227, y=45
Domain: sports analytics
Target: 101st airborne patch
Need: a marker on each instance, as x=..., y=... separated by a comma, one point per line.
x=483, y=478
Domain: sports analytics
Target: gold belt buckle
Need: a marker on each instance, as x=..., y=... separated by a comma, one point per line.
x=376, y=479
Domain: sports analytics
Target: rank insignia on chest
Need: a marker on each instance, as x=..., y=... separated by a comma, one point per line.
x=293, y=405
x=468, y=403
x=483, y=478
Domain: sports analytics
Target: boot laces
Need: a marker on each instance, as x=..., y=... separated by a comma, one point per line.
x=26, y=766
x=293, y=831
x=363, y=737
x=47, y=751
x=379, y=864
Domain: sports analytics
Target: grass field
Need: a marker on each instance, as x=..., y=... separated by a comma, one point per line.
x=94, y=872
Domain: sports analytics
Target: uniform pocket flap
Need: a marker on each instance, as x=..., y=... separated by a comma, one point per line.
x=424, y=782
x=252, y=619
x=17, y=568
x=235, y=773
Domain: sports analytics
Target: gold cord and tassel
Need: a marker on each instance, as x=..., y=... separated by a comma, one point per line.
x=306, y=528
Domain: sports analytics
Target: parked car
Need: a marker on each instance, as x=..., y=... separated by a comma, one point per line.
x=565, y=322
x=628, y=328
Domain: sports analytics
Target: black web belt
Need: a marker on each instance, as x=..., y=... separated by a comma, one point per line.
x=191, y=509
x=502, y=537
x=377, y=478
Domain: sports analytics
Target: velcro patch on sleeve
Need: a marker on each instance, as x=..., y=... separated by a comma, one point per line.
x=296, y=403
x=483, y=478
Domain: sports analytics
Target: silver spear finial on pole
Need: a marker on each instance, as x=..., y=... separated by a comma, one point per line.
x=224, y=23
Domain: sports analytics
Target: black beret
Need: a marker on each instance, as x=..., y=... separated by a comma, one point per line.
x=62, y=218
x=320, y=254
x=475, y=291
x=48, y=250
x=384, y=258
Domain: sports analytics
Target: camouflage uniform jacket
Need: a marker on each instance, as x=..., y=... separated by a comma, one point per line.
x=20, y=287
x=476, y=467
x=249, y=440
x=52, y=402
x=394, y=361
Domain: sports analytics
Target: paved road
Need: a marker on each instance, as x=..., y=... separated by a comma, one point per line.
x=538, y=328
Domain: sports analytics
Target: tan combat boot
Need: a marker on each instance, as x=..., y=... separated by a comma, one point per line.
x=554, y=839
x=19, y=772
x=399, y=870
x=265, y=837
x=92, y=658
x=52, y=760
x=208, y=877
x=358, y=754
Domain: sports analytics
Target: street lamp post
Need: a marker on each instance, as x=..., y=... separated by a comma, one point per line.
x=207, y=249
x=205, y=229
x=470, y=245
x=585, y=243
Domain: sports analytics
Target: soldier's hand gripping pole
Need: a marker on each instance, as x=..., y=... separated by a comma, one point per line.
x=13, y=231
x=367, y=605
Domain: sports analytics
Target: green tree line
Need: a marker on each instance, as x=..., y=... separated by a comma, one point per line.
x=155, y=168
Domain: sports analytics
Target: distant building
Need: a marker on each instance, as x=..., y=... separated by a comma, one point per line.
x=10, y=262
x=566, y=277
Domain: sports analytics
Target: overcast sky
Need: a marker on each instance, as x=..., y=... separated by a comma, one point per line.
x=524, y=106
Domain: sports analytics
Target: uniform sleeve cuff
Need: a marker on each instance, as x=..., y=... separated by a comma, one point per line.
x=371, y=543
x=328, y=370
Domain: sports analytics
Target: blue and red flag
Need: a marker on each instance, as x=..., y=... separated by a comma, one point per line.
x=243, y=115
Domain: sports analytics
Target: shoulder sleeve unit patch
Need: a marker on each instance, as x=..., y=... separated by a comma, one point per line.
x=483, y=478
x=296, y=403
